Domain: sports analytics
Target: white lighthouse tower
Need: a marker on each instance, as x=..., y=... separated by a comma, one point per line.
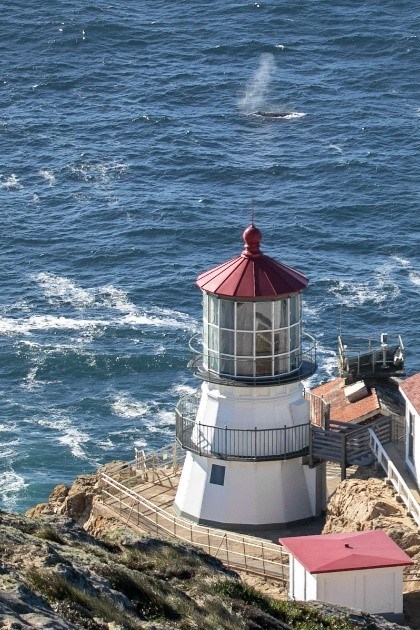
x=247, y=435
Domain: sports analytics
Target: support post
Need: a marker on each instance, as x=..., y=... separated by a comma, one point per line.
x=343, y=456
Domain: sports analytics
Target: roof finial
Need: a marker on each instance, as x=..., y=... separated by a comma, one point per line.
x=252, y=238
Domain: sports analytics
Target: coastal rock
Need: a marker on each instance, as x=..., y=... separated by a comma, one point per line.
x=362, y=504
x=76, y=501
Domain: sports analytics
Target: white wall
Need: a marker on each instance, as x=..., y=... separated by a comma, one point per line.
x=250, y=407
x=370, y=590
x=254, y=493
x=412, y=464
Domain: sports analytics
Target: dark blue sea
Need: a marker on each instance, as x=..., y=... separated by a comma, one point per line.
x=130, y=162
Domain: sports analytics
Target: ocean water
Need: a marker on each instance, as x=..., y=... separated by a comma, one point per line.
x=130, y=162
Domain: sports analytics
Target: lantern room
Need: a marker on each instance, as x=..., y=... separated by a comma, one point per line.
x=252, y=318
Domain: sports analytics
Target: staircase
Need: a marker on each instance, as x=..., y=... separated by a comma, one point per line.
x=347, y=444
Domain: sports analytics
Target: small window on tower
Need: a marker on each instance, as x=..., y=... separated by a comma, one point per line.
x=217, y=475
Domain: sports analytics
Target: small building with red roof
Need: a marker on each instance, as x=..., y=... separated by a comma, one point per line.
x=360, y=570
x=410, y=389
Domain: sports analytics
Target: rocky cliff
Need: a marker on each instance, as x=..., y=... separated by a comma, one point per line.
x=55, y=574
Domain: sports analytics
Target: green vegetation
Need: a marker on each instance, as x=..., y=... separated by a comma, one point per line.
x=48, y=532
x=76, y=605
x=296, y=615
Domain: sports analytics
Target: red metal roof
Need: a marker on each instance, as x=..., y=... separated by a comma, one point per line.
x=252, y=274
x=411, y=389
x=347, y=551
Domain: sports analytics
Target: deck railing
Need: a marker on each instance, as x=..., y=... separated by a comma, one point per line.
x=394, y=477
x=319, y=409
x=247, y=553
x=243, y=444
x=362, y=356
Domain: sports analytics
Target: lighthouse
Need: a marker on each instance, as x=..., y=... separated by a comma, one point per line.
x=246, y=432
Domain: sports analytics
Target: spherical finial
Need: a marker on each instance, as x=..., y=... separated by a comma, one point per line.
x=252, y=239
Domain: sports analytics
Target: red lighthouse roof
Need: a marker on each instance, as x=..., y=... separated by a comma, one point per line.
x=252, y=274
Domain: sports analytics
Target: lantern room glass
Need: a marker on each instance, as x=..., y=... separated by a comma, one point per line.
x=250, y=339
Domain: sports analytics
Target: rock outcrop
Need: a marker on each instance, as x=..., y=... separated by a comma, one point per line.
x=364, y=504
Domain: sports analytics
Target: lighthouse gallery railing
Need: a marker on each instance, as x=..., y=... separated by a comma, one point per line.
x=240, y=444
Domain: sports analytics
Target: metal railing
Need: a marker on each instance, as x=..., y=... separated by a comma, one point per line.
x=250, y=554
x=319, y=410
x=362, y=356
x=395, y=478
x=260, y=370
x=242, y=444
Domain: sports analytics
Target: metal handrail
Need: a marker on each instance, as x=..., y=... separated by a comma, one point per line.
x=242, y=444
x=248, y=553
x=394, y=476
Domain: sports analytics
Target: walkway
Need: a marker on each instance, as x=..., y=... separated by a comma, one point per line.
x=143, y=499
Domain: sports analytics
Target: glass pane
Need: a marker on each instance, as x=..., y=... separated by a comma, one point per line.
x=227, y=311
x=245, y=316
x=280, y=342
x=245, y=367
x=294, y=360
x=263, y=316
x=213, y=310
x=282, y=364
x=280, y=314
x=227, y=342
x=294, y=309
x=294, y=337
x=227, y=365
x=205, y=335
x=263, y=344
x=214, y=338
x=213, y=363
x=263, y=367
x=244, y=344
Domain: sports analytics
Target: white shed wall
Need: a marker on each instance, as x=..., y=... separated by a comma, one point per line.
x=369, y=590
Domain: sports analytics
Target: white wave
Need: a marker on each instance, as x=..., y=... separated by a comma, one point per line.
x=336, y=147
x=64, y=289
x=182, y=389
x=380, y=289
x=414, y=277
x=112, y=297
x=162, y=422
x=73, y=438
x=29, y=382
x=161, y=318
x=68, y=435
x=126, y=407
x=59, y=289
x=48, y=176
x=11, y=183
x=10, y=485
x=139, y=443
x=281, y=46
x=403, y=262
x=45, y=322
x=101, y=172
x=293, y=115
